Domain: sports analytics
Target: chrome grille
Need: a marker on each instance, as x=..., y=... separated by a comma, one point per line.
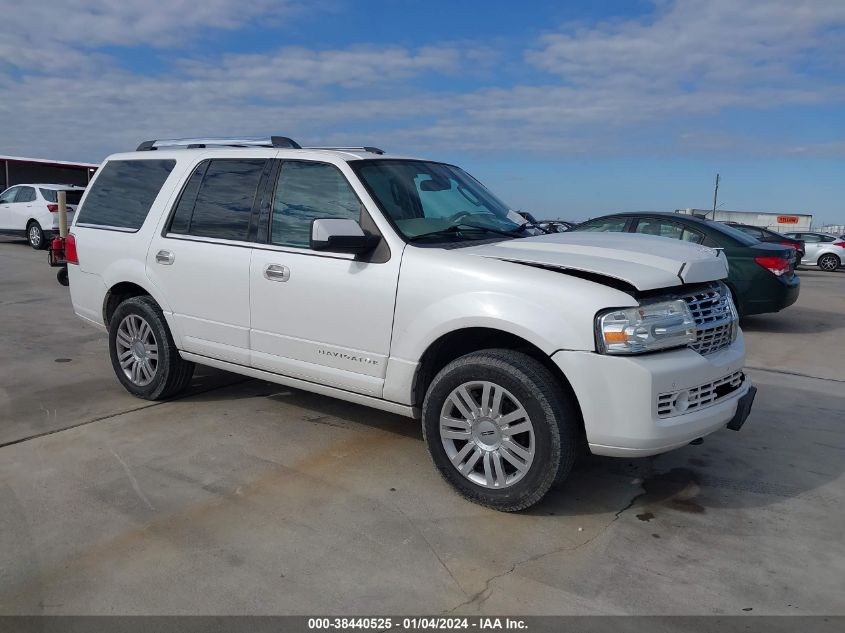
x=714, y=318
x=686, y=400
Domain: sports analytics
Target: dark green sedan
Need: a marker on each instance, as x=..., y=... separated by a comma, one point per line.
x=762, y=276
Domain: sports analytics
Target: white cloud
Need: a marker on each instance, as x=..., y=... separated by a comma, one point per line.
x=578, y=90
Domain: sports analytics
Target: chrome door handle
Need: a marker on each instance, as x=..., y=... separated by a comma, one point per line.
x=276, y=272
x=165, y=257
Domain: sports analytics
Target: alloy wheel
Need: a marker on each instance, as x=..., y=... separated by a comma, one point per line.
x=829, y=263
x=34, y=236
x=137, y=350
x=487, y=434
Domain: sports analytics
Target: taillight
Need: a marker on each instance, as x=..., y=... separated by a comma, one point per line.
x=775, y=265
x=53, y=208
x=839, y=244
x=70, y=249
x=791, y=244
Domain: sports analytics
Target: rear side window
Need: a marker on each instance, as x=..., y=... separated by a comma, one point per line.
x=25, y=194
x=123, y=193
x=218, y=198
x=71, y=196
x=662, y=228
x=603, y=225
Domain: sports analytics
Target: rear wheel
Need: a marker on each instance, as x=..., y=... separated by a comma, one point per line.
x=143, y=354
x=35, y=236
x=499, y=428
x=829, y=263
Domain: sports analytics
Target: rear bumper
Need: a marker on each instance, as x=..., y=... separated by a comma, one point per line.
x=618, y=397
x=773, y=295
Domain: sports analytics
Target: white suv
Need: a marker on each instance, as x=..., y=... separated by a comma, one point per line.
x=31, y=211
x=405, y=285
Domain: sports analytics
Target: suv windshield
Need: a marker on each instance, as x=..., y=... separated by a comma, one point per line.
x=437, y=202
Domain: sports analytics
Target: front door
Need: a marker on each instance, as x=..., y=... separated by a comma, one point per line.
x=316, y=316
x=6, y=202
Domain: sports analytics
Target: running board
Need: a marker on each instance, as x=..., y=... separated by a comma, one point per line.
x=296, y=383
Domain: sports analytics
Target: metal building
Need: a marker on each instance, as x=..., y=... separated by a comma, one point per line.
x=780, y=222
x=17, y=169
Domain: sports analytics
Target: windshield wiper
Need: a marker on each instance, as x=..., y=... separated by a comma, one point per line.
x=457, y=228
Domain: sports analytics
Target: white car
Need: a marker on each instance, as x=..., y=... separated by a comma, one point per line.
x=822, y=250
x=31, y=211
x=405, y=285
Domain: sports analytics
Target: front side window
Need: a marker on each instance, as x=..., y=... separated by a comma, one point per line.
x=224, y=200
x=306, y=192
x=123, y=193
x=9, y=195
x=427, y=200
x=25, y=194
x=603, y=225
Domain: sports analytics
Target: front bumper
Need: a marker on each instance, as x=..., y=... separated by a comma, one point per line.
x=619, y=396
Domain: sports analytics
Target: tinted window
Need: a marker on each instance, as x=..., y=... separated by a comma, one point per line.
x=603, y=225
x=224, y=202
x=750, y=230
x=123, y=192
x=305, y=192
x=25, y=194
x=828, y=238
x=9, y=195
x=809, y=237
x=181, y=220
x=71, y=196
x=665, y=228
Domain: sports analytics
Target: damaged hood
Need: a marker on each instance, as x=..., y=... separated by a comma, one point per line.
x=643, y=261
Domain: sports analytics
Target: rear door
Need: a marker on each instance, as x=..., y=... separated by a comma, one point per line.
x=201, y=257
x=812, y=246
x=318, y=316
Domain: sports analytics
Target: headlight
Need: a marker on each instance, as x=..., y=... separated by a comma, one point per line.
x=646, y=328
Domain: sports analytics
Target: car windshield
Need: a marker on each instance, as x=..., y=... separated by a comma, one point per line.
x=73, y=196
x=436, y=202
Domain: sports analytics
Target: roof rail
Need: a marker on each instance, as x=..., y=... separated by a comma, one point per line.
x=364, y=148
x=242, y=141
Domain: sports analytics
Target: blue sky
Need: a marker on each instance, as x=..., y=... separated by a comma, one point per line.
x=566, y=109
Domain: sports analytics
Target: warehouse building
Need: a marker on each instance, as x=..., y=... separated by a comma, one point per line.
x=780, y=222
x=15, y=170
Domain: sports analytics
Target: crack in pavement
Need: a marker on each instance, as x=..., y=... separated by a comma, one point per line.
x=35, y=436
x=480, y=598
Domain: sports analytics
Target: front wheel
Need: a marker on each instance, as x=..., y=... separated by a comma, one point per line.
x=829, y=263
x=143, y=354
x=35, y=236
x=499, y=428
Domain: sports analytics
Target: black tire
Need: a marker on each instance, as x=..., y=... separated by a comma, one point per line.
x=35, y=236
x=829, y=263
x=62, y=276
x=172, y=374
x=552, y=414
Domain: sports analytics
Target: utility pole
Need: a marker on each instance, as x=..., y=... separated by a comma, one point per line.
x=715, y=196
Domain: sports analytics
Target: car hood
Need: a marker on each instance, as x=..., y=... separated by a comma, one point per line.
x=645, y=262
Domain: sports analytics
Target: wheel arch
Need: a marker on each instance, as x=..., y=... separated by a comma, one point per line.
x=460, y=342
x=120, y=292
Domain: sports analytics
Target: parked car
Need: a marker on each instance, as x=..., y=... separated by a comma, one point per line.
x=405, y=285
x=31, y=211
x=773, y=237
x=822, y=250
x=762, y=276
x=555, y=226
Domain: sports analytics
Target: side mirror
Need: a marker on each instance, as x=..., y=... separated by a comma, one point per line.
x=341, y=236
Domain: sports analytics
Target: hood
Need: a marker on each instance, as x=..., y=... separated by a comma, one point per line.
x=645, y=262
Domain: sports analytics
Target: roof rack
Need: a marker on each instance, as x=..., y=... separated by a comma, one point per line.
x=364, y=148
x=243, y=141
